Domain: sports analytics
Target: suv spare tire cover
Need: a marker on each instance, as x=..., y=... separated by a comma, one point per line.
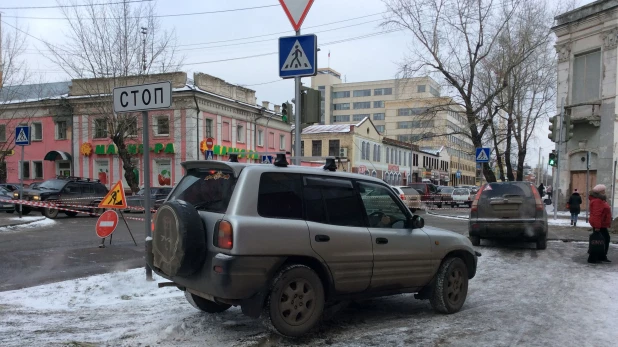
x=179, y=239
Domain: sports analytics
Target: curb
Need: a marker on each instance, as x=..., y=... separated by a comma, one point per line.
x=14, y=224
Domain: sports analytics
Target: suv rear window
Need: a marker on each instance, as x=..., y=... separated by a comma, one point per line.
x=461, y=192
x=418, y=186
x=409, y=190
x=280, y=196
x=507, y=188
x=207, y=190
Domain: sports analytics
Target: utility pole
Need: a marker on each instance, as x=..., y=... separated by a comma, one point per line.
x=556, y=188
x=144, y=32
x=538, y=169
x=297, y=112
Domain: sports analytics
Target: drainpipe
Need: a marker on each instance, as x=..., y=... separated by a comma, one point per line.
x=197, y=123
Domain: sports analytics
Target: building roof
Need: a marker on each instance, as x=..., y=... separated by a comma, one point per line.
x=585, y=11
x=34, y=92
x=334, y=128
x=432, y=150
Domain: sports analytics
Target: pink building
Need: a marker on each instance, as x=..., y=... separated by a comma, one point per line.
x=66, y=140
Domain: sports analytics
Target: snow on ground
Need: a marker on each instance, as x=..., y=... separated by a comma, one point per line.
x=25, y=218
x=40, y=223
x=519, y=297
x=567, y=222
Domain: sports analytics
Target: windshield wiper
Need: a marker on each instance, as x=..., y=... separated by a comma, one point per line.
x=204, y=204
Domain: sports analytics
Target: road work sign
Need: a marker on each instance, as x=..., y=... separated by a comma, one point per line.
x=115, y=198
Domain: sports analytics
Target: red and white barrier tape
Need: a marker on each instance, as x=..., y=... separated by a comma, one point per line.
x=62, y=207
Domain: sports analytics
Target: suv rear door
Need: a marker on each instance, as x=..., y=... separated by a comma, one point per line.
x=338, y=232
x=402, y=256
x=514, y=201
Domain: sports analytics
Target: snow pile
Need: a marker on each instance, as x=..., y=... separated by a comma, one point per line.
x=26, y=218
x=39, y=222
x=519, y=297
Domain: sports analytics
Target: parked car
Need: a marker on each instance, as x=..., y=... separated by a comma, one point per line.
x=429, y=193
x=461, y=196
x=11, y=187
x=138, y=200
x=6, y=206
x=410, y=197
x=508, y=210
x=285, y=241
x=67, y=190
x=446, y=195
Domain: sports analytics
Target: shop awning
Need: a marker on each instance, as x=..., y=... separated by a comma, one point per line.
x=57, y=155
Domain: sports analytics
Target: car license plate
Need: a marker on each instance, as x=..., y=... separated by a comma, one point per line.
x=7, y=205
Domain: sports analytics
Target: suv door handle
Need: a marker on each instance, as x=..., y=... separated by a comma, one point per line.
x=322, y=238
x=381, y=241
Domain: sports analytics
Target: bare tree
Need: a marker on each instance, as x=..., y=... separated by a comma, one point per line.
x=453, y=38
x=14, y=72
x=110, y=46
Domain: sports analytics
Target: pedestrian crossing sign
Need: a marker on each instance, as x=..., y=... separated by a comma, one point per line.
x=115, y=198
x=22, y=135
x=298, y=56
x=482, y=155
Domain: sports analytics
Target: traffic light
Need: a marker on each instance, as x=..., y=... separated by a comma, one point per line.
x=553, y=129
x=285, y=111
x=568, y=126
x=310, y=103
x=553, y=158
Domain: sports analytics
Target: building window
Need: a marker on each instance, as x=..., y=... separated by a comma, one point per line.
x=383, y=91
x=378, y=116
x=38, y=169
x=375, y=153
x=282, y=142
x=2, y=132
x=339, y=107
x=378, y=104
x=411, y=111
x=380, y=128
x=367, y=151
x=333, y=148
x=420, y=88
x=345, y=118
x=209, y=133
x=100, y=128
x=434, y=91
x=25, y=169
x=359, y=117
x=225, y=131
x=316, y=148
x=162, y=125
x=361, y=93
x=260, y=138
x=61, y=130
x=405, y=160
x=101, y=171
x=379, y=156
x=302, y=148
x=164, y=173
x=37, y=131
x=240, y=133
x=362, y=105
x=271, y=140
x=337, y=95
x=387, y=155
x=587, y=77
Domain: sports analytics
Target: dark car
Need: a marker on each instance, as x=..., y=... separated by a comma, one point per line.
x=66, y=190
x=508, y=210
x=7, y=207
x=156, y=194
x=429, y=193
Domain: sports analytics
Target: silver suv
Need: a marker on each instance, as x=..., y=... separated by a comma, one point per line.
x=284, y=242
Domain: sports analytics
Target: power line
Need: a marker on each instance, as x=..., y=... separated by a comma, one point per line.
x=65, y=6
x=154, y=16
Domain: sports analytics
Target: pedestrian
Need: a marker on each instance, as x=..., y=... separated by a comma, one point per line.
x=541, y=190
x=600, y=216
x=550, y=190
x=574, y=206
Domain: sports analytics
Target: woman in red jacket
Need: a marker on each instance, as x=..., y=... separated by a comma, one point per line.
x=600, y=215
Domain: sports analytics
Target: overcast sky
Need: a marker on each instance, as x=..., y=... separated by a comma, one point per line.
x=372, y=58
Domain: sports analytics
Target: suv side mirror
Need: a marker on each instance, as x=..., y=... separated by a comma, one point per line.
x=416, y=222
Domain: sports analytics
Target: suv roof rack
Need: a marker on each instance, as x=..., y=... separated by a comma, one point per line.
x=76, y=179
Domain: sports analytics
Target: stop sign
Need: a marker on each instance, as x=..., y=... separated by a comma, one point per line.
x=209, y=143
x=107, y=223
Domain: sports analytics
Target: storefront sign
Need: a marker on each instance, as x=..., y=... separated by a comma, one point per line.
x=224, y=151
x=86, y=149
x=167, y=148
x=392, y=168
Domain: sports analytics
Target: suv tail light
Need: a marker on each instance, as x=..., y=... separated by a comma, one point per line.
x=152, y=223
x=537, y=198
x=224, y=235
x=475, y=203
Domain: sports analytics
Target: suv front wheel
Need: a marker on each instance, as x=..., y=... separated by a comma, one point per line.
x=451, y=287
x=296, y=301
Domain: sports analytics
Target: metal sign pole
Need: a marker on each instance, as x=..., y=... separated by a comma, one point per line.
x=297, y=111
x=614, y=186
x=21, y=183
x=147, y=197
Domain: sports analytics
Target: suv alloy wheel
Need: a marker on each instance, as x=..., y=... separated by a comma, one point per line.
x=451, y=288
